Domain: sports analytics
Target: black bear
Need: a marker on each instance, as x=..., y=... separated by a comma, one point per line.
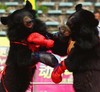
x=84, y=58
x=27, y=34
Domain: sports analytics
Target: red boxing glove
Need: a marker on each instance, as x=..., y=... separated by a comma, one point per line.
x=58, y=70
x=34, y=47
x=39, y=39
x=48, y=43
x=35, y=38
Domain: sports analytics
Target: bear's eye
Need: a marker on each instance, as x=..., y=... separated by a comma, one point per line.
x=30, y=21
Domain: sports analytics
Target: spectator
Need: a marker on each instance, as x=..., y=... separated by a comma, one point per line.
x=97, y=16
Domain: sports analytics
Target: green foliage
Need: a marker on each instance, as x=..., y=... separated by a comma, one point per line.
x=2, y=6
x=43, y=8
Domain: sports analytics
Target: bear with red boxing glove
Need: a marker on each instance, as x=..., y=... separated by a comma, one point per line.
x=84, y=58
x=26, y=34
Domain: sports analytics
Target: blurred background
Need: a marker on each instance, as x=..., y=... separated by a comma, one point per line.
x=53, y=12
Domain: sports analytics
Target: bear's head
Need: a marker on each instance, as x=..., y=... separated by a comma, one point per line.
x=83, y=26
x=23, y=22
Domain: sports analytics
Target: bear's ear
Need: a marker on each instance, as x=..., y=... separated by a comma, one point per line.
x=78, y=7
x=4, y=20
x=28, y=5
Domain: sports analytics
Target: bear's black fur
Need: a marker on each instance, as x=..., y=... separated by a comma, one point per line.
x=20, y=66
x=21, y=61
x=84, y=58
